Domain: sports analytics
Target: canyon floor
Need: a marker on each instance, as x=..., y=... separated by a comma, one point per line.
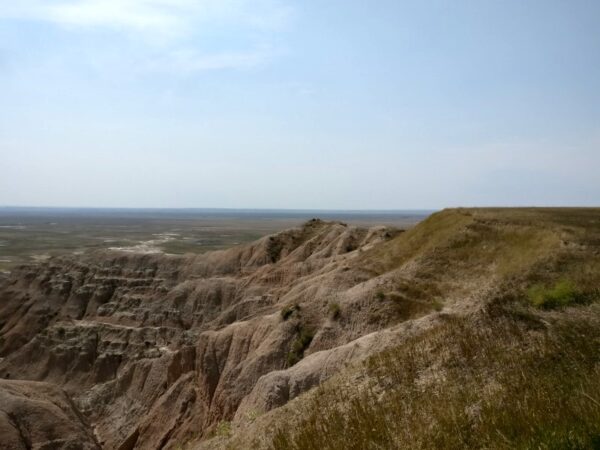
x=476, y=328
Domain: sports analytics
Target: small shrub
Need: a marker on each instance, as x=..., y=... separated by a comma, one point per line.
x=437, y=305
x=300, y=344
x=252, y=415
x=335, y=311
x=380, y=295
x=562, y=294
x=223, y=429
x=287, y=311
x=292, y=359
x=274, y=248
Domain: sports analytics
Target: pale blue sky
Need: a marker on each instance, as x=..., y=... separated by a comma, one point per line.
x=309, y=104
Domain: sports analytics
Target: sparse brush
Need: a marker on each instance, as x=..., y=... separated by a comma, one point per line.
x=223, y=429
x=299, y=345
x=287, y=311
x=335, y=311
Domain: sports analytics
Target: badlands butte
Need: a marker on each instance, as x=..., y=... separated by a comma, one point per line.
x=476, y=328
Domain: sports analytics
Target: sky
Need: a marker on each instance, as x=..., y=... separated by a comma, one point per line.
x=336, y=104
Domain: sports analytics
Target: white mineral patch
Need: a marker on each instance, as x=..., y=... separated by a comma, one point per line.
x=148, y=247
x=40, y=258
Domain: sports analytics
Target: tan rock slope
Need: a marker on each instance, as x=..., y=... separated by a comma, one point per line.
x=159, y=351
x=40, y=415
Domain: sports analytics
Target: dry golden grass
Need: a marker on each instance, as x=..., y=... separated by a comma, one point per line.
x=494, y=382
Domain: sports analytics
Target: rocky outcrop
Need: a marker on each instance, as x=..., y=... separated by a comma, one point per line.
x=40, y=416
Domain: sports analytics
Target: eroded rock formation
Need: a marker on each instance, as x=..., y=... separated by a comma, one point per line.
x=157, y=349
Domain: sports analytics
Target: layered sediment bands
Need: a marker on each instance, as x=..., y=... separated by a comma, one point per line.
x=155, y=350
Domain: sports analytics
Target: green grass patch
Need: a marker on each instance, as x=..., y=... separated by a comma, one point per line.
x=563, y=293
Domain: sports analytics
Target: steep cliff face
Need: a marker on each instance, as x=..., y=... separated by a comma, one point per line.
x=154, y=349
x=157, y=350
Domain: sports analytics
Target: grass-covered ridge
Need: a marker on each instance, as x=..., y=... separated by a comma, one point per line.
x=520, y=371
x=473, y=239
x=490, y=383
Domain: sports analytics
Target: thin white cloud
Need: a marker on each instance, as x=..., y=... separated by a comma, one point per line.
x=162, y=16
x=176, y=26
x=135, y=15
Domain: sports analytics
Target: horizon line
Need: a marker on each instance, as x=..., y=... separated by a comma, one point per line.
x=196, y=208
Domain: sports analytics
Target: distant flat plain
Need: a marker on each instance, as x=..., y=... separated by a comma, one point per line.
x=34, y=234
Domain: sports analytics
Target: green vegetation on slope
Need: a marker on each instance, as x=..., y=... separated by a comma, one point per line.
x=487, y=383
x=303, y=339
x=562, y=294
